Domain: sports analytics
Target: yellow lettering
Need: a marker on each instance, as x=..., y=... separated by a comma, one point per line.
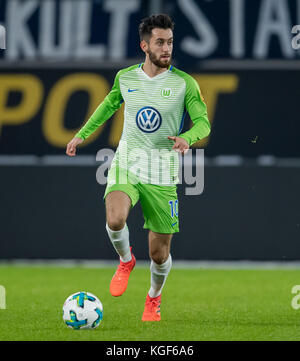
x=211, y=86
x=53, y=122
x=32, y=91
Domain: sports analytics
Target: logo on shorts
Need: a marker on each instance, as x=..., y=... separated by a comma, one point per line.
x=148, y=119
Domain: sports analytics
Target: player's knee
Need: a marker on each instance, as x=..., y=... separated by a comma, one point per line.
x=116, y=223
x=159, y=257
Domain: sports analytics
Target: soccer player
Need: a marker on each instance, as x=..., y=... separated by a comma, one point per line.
x=156, y=96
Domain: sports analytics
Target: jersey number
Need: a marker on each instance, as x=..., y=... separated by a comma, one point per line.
x=174, y=208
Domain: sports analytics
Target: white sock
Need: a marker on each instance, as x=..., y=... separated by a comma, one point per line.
x=159, y=274
x=120, y=241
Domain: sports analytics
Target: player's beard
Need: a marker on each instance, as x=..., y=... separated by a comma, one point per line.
x=156, y=61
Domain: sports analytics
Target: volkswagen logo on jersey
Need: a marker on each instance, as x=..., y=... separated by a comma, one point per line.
x=148, y=119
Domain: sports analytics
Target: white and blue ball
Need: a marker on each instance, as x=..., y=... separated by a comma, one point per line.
x=82, y=310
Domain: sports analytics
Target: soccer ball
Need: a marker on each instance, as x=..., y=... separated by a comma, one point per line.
x=82, y=310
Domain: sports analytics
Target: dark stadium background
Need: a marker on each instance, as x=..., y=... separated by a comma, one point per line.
x=60, y=61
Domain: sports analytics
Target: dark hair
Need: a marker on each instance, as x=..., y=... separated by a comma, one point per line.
x=161, y=21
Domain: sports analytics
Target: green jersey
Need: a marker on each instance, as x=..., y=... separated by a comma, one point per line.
x=154, y=109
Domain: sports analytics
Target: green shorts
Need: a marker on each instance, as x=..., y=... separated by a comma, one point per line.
x=159, y=203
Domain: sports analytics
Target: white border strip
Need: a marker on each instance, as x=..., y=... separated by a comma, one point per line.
x=176, y=264
x=249, y=64
x=68, y=64
x=206, y=64
x=90, y=160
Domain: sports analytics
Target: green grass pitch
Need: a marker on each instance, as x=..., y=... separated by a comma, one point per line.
x=197, y=304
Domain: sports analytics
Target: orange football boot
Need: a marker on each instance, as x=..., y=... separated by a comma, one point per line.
x=119, y=281
x=152, y=309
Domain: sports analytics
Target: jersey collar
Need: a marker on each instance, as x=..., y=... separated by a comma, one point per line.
x=156, y=76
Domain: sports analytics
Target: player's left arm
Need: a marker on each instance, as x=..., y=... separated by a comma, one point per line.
x=196, y=107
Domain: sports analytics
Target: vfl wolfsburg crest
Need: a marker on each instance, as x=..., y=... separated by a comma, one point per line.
x=148, y=119
x=166, y=92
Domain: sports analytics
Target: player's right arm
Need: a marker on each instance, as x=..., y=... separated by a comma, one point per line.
x=105, y=110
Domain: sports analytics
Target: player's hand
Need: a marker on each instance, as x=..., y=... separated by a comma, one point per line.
x=71, y=147
x=181, y=145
